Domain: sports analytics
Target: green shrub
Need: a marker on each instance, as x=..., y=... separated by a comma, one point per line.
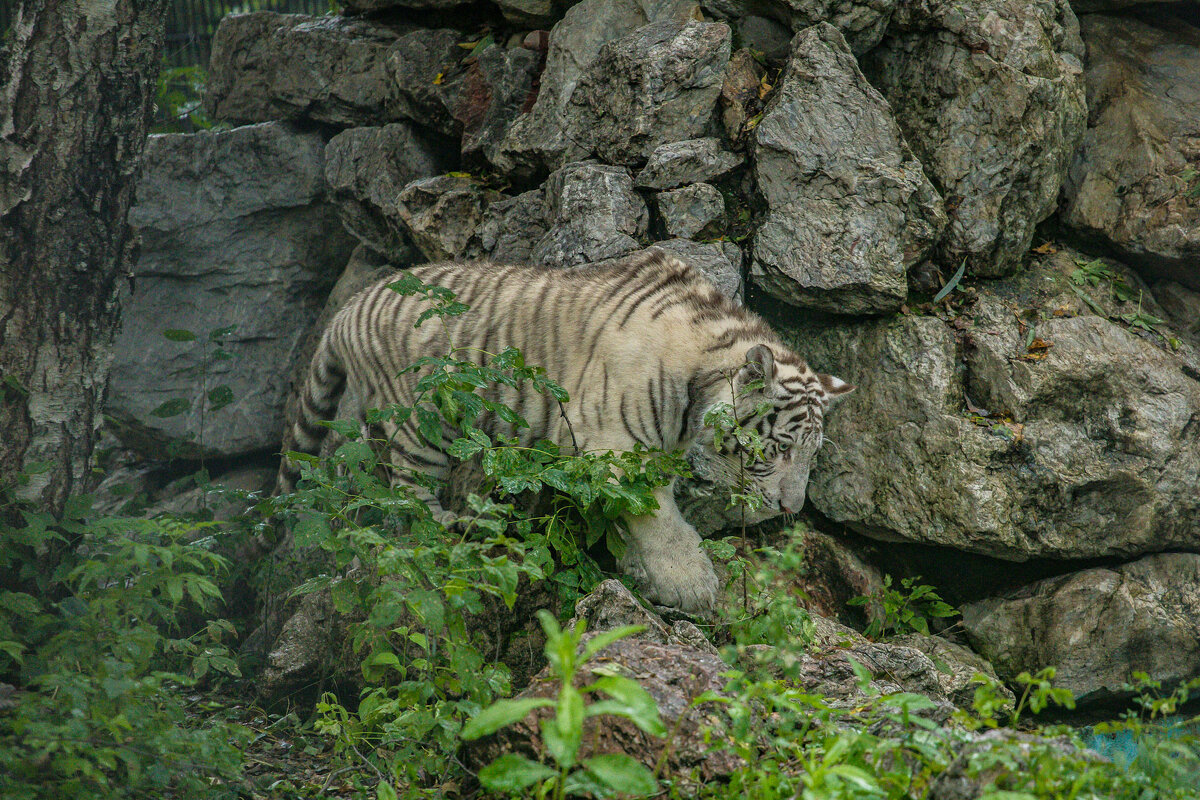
x=891, y=612
x=600, y=775
x=99, y=660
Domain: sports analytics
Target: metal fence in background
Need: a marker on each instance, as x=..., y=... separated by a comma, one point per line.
x=192, y=23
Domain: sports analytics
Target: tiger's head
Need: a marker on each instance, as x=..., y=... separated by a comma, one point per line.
x=763, y=431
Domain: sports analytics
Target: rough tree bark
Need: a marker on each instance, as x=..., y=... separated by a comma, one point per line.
x=76, y=97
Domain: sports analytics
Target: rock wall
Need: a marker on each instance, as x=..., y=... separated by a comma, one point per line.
x=831, y=163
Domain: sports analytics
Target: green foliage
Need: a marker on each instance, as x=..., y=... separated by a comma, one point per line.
x=892, y=612
x=179, y=100
x=1096, y=273
x=99, y=654
x=601, y=775
x=773, y=609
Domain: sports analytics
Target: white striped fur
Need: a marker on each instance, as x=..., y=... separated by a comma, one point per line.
x=644, y=347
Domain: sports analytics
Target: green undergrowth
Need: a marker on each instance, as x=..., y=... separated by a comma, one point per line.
x=121, y=676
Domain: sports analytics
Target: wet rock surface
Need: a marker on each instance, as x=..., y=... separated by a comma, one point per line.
x=269, y=66
x=1134, y=182
x=367, y=168
x=674, y=675
x=536, y=142
x=594, y=214
x=926, y=665
x=689, y=211
x=990, y=96
x=1097, y=626
x=657, y=85
x=1085, y=448
x=691, y=161
x=862, y=22
x=850, y=209
x=442, y=215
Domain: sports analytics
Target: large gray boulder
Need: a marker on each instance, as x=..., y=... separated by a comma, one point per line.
x=862, y=22
x=990, y=95
x=594, y=214
x=611, y=605
x=1136, y=180
x=691, y=211
x=926, y=665
x=849, y=208
x=236, y=234
x=366, y=169
x=443, y=214
x=536, y=143
x=269, y=66
x=656, y=85
x=1060, y=433
x=691, y=161
x=1098, y=626
x=512, y=227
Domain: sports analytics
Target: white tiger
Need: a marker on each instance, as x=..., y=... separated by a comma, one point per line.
x=645, y=347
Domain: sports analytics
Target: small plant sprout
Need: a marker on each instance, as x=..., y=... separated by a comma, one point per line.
x=613, y=773
x=891, y=612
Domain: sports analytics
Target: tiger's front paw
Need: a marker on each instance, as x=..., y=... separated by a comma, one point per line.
x=683, y=580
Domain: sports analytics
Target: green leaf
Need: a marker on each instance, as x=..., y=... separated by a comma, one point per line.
x=430, y=426
x=344, y=428
x=949, y=287
x=512, y=773
x=605, y=638
x=1091, y=303
x=861, y=673
x=500, y=714
x=563, y=733
x=384, y=791
x=216, y=334
x=179, y=335
x=629, y=700
x=311, y=531
x=462, y=449
x=375, y=666
x=344, y=595
x=172, y=408
x=219, y=397
x=622, y=773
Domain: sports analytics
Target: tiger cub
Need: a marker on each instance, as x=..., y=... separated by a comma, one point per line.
x=644, y=347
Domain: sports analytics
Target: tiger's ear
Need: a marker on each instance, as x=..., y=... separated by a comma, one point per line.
x=760, y=365
x=834, y=388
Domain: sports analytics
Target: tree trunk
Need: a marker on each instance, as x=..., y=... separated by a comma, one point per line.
x=75, y=106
